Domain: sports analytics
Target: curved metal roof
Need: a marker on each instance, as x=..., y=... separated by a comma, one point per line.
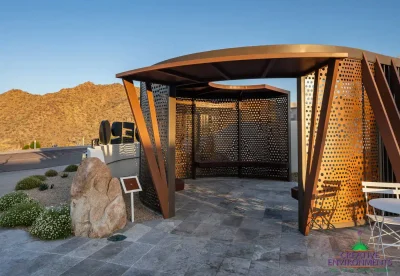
x=217, y=91
x=271, y=61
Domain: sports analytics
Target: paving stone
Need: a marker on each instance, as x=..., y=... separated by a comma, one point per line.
x=168, y=225
x=154, y=236
x=271, y=213
x=201, y=269
x=251, y=223
x=185, y=228
x=266, y=254
x=134, y=271
x=14, y=237
x=42, y=246
x=19, y=264
x=246, y=235
x=154, y=259
x=176, y=264
x=182, y=214
x=234, y=266
x=198, y=217
x=234, y=221
x=191, y=206
x=70, y=245
x=262, y=268
x=152, y=223
x=111, y=270
x=241, y=250
x=89, y=248
x=224, y=233
x=110, y=251
x=83, y=268
x=217, y=247
x=58, y=266
x=205, y=230
x=132, y=254
x=215, y=219
x=136, y=232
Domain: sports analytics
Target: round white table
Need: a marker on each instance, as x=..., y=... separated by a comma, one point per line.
x=391, y=205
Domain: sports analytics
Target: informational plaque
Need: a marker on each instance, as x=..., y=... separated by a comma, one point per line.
x=131, y=185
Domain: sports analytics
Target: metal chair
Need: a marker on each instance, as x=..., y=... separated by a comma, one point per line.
x=376, y=190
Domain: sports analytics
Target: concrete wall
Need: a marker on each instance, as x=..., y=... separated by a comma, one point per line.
x=122, y=159
x=293, y=146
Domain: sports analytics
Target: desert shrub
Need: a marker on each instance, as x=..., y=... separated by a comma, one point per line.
x=64, y=175
x=54, y=223
x=22, y=214
x=43, y=187
x=9, y=200
x=28, y=183
x=71, y=168
x=40, y=177
x=25, y=147
x=32, y=145
x=51, y=173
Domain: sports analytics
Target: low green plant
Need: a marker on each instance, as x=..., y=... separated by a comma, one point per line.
x=32, y=145
x=64, y=175
x=40, y=177
x=25, y=147
x=54, y=223
x=22, y=214
x=9, y=200
x=28, y=183
x=71, y=168
x=51, y=173
x=43, y=187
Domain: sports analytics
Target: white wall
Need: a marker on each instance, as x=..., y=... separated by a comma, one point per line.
x=122, y=159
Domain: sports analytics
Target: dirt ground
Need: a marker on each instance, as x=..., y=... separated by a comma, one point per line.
x=60, y=194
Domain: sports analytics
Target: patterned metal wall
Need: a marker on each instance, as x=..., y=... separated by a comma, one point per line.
x=351, y=149
x=161, y=95
x=264, y=137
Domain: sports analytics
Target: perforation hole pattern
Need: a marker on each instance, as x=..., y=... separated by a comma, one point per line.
x=351, y=153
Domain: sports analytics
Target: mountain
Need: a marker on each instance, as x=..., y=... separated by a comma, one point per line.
x=63, y=118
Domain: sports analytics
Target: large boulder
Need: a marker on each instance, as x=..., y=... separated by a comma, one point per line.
x=97, y=205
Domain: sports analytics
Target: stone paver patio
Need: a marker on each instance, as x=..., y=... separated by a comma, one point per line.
x=223, y=226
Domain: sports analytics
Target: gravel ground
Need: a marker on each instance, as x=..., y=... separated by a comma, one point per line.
x=60, y=194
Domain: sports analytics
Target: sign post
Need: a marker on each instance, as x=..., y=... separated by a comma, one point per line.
x=131, y=184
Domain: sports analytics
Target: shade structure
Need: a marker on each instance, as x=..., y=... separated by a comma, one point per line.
x=347, y=116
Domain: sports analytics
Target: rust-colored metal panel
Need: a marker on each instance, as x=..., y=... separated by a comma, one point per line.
x=313, y=121
x=395, y=82
x=387, y=99
x=159, y=183
x=312, y=178
x=382, y=118
x=157, y=141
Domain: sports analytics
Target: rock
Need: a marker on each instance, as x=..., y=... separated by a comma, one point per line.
x=97, y=204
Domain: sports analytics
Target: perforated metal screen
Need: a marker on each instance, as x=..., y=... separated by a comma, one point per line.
x=351, y=148
x=224, y=130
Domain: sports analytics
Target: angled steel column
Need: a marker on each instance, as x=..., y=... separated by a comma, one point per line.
x=313, y=120
x=159, y=184
x=312, y=178
x=171, y=157
x=157, y=140
x=301, y=146
x=381, y=117
x=395, y=83
x=387, y=99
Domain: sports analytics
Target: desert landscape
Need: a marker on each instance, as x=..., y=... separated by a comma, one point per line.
x=64, y=118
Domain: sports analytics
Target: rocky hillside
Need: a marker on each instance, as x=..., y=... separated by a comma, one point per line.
x=62, y=118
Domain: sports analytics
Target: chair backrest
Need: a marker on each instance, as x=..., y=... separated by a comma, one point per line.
x=381, y=188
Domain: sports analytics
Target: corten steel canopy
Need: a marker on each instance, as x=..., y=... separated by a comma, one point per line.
x=221, y=91
x=272, y=61
x=346, y=97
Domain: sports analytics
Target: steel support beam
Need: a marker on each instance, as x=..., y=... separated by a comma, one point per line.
x=159, y=184
x=387, y=99
x=381, y=117
x=157, y=140
x=314, y=108
x=320, y=138
x=171, y=177
x=395, y=83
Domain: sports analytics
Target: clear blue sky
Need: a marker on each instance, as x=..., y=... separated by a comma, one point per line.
x=49, y=45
